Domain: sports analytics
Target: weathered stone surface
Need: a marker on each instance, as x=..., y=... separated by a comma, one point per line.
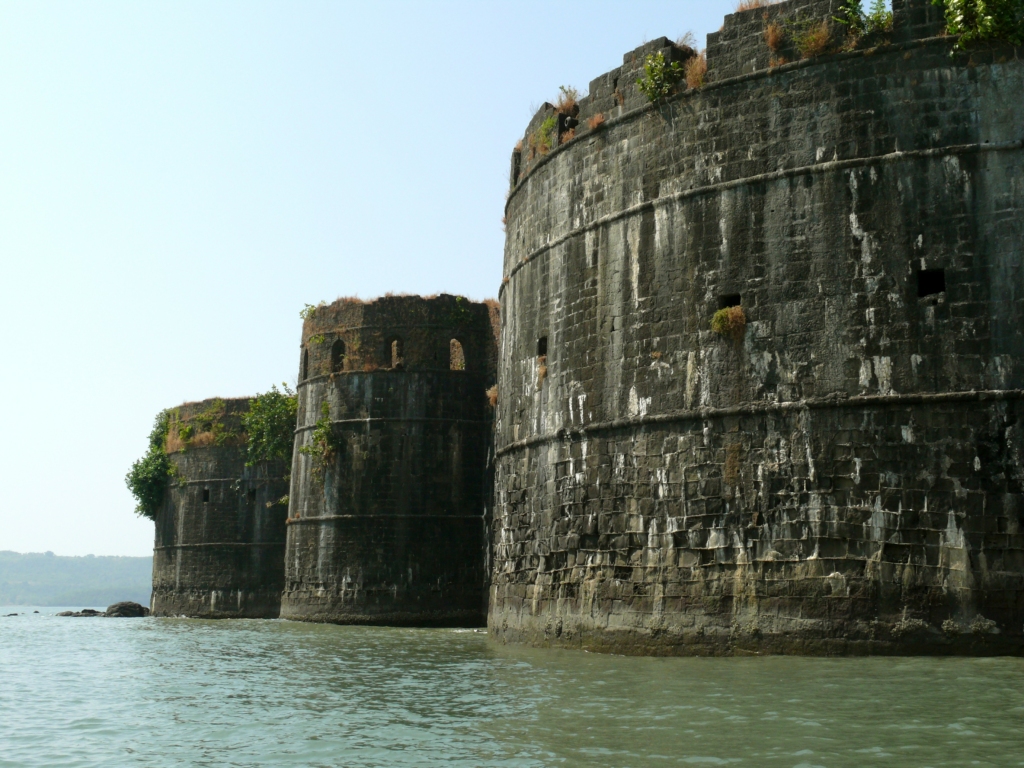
x=220, y=536
x=389, y=527
x=845, y=476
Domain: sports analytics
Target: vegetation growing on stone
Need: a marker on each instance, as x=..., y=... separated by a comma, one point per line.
x=323, y=444
x=308, y=312
x=148, y=477
x=810, y=37
x=568, y=97
x=860, y=23
x=460, y=314
x=696, y=69
x=546, y=134
x=729, y=321
x=981, y=20
x=270, y=426
x=208, y=427
x=660, y=79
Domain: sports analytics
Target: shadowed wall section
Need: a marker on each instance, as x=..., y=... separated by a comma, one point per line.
x=391, y=480
x=843, y=472
x=220, y=534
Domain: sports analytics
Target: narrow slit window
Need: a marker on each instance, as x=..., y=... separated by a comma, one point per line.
x=456, y=357
x=397, y=353
x=931, y=282
x=542, y=346
x=729, y=300
x=305, y=364
x=206, y=495
x=337, y=356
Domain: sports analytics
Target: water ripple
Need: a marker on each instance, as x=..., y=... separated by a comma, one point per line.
x=165, y=692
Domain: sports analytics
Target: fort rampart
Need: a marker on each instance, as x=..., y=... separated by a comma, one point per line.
x=390, y=481
x=220, y=532
x=841, y=469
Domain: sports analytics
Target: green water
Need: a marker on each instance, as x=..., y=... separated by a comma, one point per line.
x=169, y=692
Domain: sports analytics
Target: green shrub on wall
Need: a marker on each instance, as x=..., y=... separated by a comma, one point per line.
x=980, y=20
x=270, y=426
x=660, y=79
x=148, y=477
x=323, y=444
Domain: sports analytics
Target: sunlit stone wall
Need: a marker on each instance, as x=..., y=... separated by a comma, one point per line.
x=844, y=472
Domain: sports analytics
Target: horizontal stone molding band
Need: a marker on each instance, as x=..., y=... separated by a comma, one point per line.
x=395, y=419
x=328, y=518
x=751, y=409
x=220, y=544
x=208, y=481
x=729, y=81
x=390, y=325
x=831, y=165
x=404, y=371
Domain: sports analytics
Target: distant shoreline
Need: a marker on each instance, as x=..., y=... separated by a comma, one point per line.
x=46, y=580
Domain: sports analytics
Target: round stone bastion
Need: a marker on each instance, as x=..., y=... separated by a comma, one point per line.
x=763, y=353
x=391, y=481
x=220, y=533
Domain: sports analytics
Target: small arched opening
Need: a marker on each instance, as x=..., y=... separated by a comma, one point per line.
x=456, y=356
x=337, y=356
x=397, y=352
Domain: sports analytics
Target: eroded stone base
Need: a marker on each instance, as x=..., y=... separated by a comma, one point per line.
x=216, y=604
x=339, y=611
x=693, y=636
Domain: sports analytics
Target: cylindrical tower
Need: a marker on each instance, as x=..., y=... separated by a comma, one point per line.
x=390, y=477
x=763, y=351
x=220, y=532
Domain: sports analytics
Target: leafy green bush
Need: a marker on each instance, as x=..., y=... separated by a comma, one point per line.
x=860, y=23
x=660, y=79
x=148, y=477
x=270, y=426
x=323, y=444
x=979, y=20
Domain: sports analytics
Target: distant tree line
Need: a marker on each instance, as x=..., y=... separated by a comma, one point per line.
x=46, y=579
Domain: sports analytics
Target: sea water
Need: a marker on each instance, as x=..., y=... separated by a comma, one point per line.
x=176, y=692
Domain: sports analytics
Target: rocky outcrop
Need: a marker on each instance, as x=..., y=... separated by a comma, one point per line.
x=123, y=610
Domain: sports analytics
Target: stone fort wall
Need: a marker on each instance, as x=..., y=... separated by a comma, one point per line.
x=388, y=524
x=846, y=472
x=219, y=550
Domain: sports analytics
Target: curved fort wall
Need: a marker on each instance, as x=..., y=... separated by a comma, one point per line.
x=843, y=474
x=389, y=479
x=220, y=533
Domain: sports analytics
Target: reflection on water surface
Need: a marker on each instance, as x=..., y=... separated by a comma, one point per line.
x=163, y=692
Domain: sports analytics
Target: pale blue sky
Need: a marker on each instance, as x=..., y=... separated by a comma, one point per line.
x=178, y=179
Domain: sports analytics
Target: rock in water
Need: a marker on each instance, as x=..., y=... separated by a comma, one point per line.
x=127, y=610
x=83, y=612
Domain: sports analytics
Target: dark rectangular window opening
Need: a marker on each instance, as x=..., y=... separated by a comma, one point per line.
x=542, y=346
x=930, y=282
x=728, y=300
x=206, y=495
x=252, y=495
